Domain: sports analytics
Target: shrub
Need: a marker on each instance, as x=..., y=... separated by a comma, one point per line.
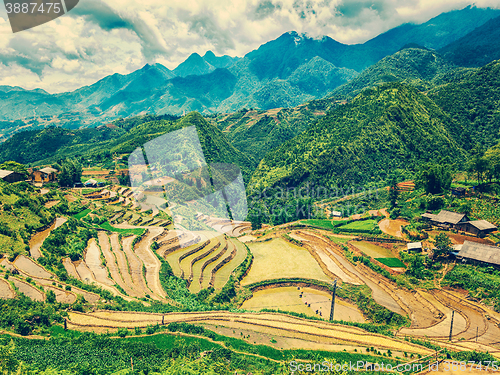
x=122, y=332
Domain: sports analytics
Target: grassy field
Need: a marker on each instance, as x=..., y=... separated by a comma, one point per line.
x=279, y=259
x=391, y=262
x=327, y=224
x=360, y=225
x=82, y=214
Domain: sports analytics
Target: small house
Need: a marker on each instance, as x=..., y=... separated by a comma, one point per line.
x=44, y=175
x=91, y=183
x=458, y=191
x=336, y=214
x=414, y=247
x=446, y=219
x=479, y=228
x=11, y=176
x=479, y=253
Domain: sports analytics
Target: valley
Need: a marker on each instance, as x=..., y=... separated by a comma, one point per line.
x=310, y=201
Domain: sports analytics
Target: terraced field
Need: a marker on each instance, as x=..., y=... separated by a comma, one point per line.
x=209, y=262
x=278, y=258
x=122, y=261
x=37, y=240
x=276, y=325
x=307, y=301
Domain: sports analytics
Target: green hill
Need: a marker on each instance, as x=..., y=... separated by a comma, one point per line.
x=477, y=48
x=473, y=101
x=121, y=137
x=391, y=128
x=419, y=67
x=256, y=132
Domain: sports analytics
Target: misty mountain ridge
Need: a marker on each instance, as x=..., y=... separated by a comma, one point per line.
x=284, y=73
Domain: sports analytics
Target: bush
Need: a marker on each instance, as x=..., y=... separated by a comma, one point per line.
x=123, y=332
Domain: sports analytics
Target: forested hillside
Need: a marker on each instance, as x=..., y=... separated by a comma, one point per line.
x=472, y=101
x=477, y=48
x=121, y=137
x=417, y=66
x=386, y=130
x=256, y=132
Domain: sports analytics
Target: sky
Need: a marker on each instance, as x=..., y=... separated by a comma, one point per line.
x=100, y=38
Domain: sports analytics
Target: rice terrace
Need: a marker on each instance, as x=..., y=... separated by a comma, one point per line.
x=194, y=192
x=264, y=290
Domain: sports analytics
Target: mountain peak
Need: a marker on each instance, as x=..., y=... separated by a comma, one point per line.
x=209, y=54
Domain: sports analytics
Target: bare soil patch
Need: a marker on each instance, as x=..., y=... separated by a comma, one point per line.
x=6, y=290
x=30, y=267
x=28, y=289
x=392, y=227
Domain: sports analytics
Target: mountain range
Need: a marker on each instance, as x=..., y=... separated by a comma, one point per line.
x=283, y=73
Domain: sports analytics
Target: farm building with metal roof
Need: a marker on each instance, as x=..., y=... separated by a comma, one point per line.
x=478, y=252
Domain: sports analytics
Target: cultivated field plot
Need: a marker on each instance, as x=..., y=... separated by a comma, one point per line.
x=372, y=250
x=31, y=268
x=37, y=240
x=175, y=257
x=391, y=262
x=200, y=270
x=278, y=325
x=325, y=256
x=360, y=225
x=28, y=289
x=208, y=262
x=312, y=300
x=279, y=259
x=223, y=273
x=392, y=227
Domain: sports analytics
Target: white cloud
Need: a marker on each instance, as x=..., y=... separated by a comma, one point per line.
x=97, y=39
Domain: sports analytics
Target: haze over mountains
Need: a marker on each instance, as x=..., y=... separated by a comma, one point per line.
x=285, y=72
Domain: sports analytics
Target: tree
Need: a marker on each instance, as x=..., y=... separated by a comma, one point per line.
x=393, y=193
x=478, y=164
x=434, y=178
x=51, y=296
x=71, y=172
x=493, y=162
x=123, y=179
x=8, y=361
x=443, y=244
